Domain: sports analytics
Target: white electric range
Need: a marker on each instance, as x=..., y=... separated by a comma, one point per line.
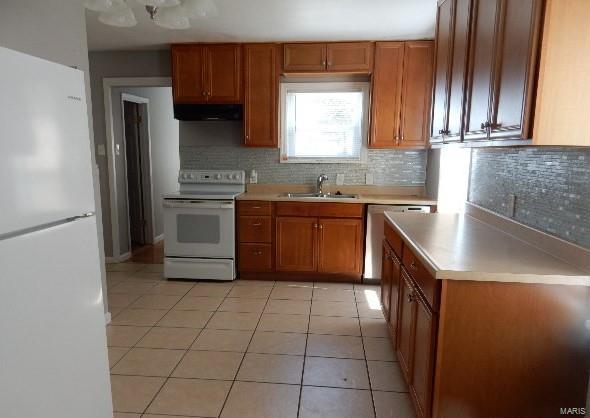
x=199, y=225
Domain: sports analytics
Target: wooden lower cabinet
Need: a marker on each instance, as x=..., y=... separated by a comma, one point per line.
x=296, y=244
x=340, y=246
x=405, y=329
x=386, y=278
x=255, y=257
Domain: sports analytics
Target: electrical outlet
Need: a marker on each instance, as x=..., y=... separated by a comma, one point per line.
x=369, y=178
x=511, y=206
x=339, y=179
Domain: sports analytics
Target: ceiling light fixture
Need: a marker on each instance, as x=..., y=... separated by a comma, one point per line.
x=169, y=14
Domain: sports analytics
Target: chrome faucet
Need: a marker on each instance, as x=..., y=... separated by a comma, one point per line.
x=321, y=179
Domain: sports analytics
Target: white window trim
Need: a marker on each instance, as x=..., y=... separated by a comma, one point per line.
x=328, y=86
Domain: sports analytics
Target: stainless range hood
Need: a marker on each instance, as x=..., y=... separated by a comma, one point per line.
x=208, y=112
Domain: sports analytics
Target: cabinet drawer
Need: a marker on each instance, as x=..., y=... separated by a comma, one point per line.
x=254, y=207
x=427, y=284
x=393, y=239
x=329, y=210
x=254, y=229
x=255, y=257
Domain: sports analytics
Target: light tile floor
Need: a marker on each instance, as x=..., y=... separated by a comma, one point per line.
x=258, y=349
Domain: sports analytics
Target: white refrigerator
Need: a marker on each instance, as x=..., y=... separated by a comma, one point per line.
x=53, y=356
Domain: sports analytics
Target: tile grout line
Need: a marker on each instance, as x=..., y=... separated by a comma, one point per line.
x=305, y=350
x=365, y=353
x=246, y=349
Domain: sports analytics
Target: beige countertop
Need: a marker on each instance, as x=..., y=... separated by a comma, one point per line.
x=379, y=195
x=461, y=247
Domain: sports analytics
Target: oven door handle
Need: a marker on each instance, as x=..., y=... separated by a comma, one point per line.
x=197, y=204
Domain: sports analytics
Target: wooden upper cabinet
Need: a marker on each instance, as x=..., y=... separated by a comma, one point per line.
x=416, y=94
x=563, y=96
x=502, y=69
x=260, y=95
x=458, y=75
x=188, y=73
x=341, y=57
x=223, y=79
x=350, y=57
x=304, y=57
x=340, y=246
x=387, y=95
x=443, y=62
x=296, y=244
x=206, y=73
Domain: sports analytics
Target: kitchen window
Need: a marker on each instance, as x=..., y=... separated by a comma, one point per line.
x=324, y=122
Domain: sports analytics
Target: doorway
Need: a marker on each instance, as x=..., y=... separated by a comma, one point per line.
x=137, y=171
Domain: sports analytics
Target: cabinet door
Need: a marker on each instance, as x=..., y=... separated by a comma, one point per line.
x=260, y=95
x=340, y=246
x=517, y=39
x=350, y=57
x=296, y=244
x=188, y=74
x=423, y=357
x=406, y=324
x=480, y=68
x=395, y=293
x=387, y=95
x=223, y=79
x=304, y=57
x=386, y=278
x=460, y=40
x=416, y=94
x=444, y=30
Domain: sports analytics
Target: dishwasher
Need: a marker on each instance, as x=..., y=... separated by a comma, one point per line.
x=374, y=237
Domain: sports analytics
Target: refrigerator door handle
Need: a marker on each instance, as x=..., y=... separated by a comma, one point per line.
x=83, y=216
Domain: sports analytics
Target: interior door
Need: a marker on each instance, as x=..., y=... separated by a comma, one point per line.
x=296, y=244
x=479, y=91
x=387, y=95
x=417, y=93
x=516, y=60
x=223, y=78
x=340, y=246
x=260, y=95
x=53, y=346
x=135, y=198
x=444, y=48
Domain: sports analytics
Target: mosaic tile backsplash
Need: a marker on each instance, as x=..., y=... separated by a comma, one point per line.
x=551, y=185
x=400, y=168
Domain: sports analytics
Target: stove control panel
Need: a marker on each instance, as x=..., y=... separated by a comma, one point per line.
x=211, y=177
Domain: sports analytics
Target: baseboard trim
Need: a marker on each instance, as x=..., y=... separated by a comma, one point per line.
x=107, y=318
x=158, y=238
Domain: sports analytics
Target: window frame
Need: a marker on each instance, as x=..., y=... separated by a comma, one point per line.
x=330, y=87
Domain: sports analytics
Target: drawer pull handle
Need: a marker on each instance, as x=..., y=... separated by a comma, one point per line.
x=256, y=207
x=257, y=252
x=257, y=224
x=413, y=265
x=411, y=297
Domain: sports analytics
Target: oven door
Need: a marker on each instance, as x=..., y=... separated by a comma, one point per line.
x=199, y=228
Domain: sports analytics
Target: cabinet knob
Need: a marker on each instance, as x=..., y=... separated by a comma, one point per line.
x=411, y=298
x=485, y=125
x=257, y=252
x=413, y=265
x=324, y=62
x=204, y=93
x=321, y=226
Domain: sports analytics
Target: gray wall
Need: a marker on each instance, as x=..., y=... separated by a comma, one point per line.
x=117, y=64
x=217, y=145
x=164, y=153
x=552, y=187
x=54, y=30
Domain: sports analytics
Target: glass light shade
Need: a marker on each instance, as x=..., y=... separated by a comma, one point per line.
x=196, y=9
x=123, y=18
x=104, y=5
x=159, y=3
x=172, y=18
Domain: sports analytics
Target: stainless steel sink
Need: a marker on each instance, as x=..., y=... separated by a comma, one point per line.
x=322, y=195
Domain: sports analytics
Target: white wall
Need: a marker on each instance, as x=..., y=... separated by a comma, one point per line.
x=164, y=153
x=54, y=30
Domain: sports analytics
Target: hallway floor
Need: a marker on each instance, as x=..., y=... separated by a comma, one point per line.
x=249, y=349
x=148, y=254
